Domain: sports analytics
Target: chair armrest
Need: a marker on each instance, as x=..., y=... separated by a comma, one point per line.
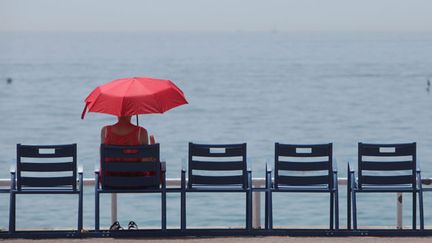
x=268, y=168
x=335, y=179
x=418, y=166
x=80, y=169
x=163, y=174
x=334, y=165
x=351, y=176
x=163, y=166
x=183, y=178
x=418, y=170
x=419, y=179
x=249, y=179
x=80, y=179
x=97, y=178
x=350, y=170
x=268, y=179
x=13, y=180
x=97, y=170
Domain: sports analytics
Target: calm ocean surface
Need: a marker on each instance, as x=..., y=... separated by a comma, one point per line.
x=258, y=88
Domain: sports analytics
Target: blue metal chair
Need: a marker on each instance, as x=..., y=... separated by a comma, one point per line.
x=37, y=171
x=206, y=159
x=303, y=168
x=385, y=168
x=130, y=169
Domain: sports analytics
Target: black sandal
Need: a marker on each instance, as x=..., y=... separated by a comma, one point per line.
x=132, y=226
x=116, y=226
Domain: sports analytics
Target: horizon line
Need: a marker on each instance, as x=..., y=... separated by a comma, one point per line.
x=216, y=31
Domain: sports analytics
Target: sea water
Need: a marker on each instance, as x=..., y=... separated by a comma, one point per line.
x=253, y=87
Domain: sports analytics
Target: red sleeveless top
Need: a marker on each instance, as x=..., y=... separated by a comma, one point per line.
x=132, y=138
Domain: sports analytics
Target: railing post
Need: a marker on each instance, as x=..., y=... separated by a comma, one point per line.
x=399, y=211
x=113, y=207
x=256, y=212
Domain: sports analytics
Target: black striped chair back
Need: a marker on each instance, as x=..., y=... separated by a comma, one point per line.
x=387, y=165
x=303, y=165
x=217, y=165
x=130, y=167
x=46, y=166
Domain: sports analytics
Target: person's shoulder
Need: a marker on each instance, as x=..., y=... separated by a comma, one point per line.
x=142, y=129
x=104, y=128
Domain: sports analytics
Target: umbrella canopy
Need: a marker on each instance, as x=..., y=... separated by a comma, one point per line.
x=134, y=96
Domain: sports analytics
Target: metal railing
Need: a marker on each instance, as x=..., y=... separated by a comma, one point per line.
x=256, y=197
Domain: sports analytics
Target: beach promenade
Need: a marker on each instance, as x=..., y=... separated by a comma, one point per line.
x=246, y=240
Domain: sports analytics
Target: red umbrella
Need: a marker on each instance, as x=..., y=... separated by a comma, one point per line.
x=133, y=96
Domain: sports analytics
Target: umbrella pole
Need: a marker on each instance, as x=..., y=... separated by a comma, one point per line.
x=137, y=120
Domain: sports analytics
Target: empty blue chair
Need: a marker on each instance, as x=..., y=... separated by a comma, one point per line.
x=207, y=164
x=303, y=168
x=130, y=169
x=37, y=170
x=385, y=168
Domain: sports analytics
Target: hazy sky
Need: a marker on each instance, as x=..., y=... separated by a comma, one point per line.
x=211, y=15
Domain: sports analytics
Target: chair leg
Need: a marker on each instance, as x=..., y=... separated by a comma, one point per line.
x=349, y=205
x=354, y=205
x=183, y=210
x=80, y=210
x=12, y=211
x=331, y=209
x=266, y=203
x=270, y=201
x=421, y=210
x=97, y=211
x=163, y=209
x=414, y=216
x=249, y=210
x=337, y=209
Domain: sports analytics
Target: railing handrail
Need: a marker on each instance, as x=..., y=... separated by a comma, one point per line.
x=175, y=182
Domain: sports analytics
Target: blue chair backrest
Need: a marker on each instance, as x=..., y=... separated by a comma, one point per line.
x=217, y=165
x=303, y=165
x=39, y=166
x=130, y=167
x=386, y=164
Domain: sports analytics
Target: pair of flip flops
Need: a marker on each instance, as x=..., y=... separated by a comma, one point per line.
x=116, y=226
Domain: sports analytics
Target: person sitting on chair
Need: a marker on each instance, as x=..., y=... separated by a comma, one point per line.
x=126, y=133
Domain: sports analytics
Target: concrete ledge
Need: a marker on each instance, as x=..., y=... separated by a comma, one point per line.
x=169, y=233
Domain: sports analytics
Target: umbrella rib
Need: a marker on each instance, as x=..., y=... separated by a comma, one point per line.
x=94, y=102
x=153, y=95
x=159, y=103
x=126, y=92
